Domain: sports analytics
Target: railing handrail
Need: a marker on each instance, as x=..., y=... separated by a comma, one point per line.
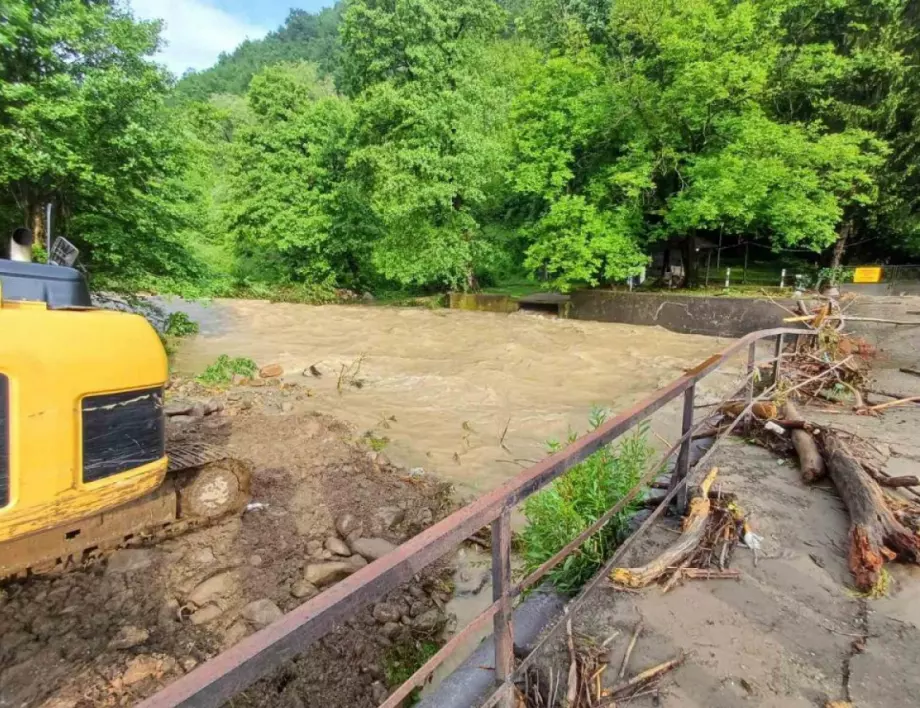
x=230, y=672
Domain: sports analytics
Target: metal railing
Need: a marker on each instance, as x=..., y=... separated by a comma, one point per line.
x=232, y=671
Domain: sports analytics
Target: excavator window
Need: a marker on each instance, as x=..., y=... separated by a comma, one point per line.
x=122, y=431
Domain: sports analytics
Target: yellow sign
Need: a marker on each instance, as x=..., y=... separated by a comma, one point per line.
x=867, y=275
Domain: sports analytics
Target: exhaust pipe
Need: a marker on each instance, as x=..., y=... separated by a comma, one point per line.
x=21, y=245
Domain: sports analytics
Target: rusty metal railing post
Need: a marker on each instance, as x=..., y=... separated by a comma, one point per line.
x=501, y=591
x=749, y=396
x=778, y=354
x=682, y=469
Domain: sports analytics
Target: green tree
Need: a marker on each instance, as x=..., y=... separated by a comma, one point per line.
x=83, y=125
x=428, y=135
x=292, y=213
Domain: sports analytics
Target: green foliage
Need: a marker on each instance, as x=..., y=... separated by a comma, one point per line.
x=222, y=371
x=573, y=502
x=179, y=324
x=404, y=659
x=304, y=37
x=419, y=145
x=83, y=124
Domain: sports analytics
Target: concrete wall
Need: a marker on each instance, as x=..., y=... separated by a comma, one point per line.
x=483, y=302
x=716, y=316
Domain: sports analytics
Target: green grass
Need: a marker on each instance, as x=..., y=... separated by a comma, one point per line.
x=222, y=371
x=403, y=660
x=516, y=287
x=576, y=500
x=178, y=324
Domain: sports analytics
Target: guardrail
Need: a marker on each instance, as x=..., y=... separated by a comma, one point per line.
x=232, y=671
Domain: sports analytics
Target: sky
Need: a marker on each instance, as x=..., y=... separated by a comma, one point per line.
x=197, y=31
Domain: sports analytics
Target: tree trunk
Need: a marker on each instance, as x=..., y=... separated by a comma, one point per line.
x=36, y=220
x=840, y=247
x=689, y=254
x=810, y=461
x=875, y=534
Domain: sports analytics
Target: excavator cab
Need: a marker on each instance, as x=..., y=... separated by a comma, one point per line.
x=83, y=459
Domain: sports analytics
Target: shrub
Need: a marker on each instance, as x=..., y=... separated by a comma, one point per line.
x=222, y=371
x=576, y=500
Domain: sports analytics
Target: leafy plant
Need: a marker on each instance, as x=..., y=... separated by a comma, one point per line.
x=576, y=500
x=179, y=324
x=222, y=371
x=403, y=660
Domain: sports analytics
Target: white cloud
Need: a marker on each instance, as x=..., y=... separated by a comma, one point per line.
x=195, y=32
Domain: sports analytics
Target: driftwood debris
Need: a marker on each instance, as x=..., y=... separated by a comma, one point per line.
x=875, y=533
x=810, y=461
x=912, y=372
x=764, y=410
x=694, y=528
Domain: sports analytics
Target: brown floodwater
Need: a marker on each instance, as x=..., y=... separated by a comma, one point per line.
x=470, y=396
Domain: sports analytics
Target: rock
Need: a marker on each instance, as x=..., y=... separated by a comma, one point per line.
x=261, y=612
x=214, y=588
x=236, y=632
x=389, y=516
x=470, y=581
x=203, y=556
x=418, y=607
x=423, y=517
x=427, y=621
x=145, y=666
x=391, y=629
x=128, y=560
x=257, y=383
x=206, y=614
x=303, y=590
x=357, y=562
x=255, y=560
x=314, y=548
x=328, y=572
x=239, y=380
x=178, y=408
x=367, y=297
x=212, y=406
x=348, y=526
x=337, y=546
x=372, y=548
x=188, y=663
x=271, y=371
x=129, y=636
x=379, y=692
x=199, y=410
x=385, y=612
x=182, y=419
x=287, y=407
x=327, y=555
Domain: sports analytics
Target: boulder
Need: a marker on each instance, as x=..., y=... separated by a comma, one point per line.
x=271, y=371
x=337, y=546
x=145, y=666
x=427, y=621
x=206, y=614
x=385, y=612
x=214, y=588
x=372, y=548
x=262, y=612
x=303, y=590
x=328, y=572
x=348, y=526
x=178, y=408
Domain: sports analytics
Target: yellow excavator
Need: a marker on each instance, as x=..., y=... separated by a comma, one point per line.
x=84, y=466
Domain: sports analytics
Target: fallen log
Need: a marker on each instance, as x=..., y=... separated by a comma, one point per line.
x=891, y=482
x=875, y=534
x=912, y=372
x=694, y=528
x=810, y=461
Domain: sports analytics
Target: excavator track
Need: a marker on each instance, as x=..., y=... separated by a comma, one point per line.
x=203, y=485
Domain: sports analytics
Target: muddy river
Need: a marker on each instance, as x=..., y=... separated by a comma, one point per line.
x=470, y=396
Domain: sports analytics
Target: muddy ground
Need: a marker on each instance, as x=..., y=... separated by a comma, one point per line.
x=791, y=631
x=115, y=632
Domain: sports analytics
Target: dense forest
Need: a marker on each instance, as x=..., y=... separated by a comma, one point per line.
x=419, y=145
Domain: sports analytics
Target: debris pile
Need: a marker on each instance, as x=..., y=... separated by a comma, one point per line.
x=831, y=367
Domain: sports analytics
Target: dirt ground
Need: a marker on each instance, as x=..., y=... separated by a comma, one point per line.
x=792, y=631
x=115, y=632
